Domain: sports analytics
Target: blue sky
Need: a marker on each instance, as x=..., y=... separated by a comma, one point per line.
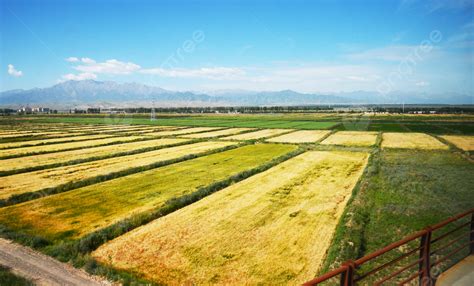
x=308, y=46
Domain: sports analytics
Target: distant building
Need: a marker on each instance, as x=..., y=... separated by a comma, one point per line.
x=25, y=109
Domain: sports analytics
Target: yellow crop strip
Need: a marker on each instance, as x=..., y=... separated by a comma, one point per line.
x=182, y=131
x=38, y=180
x=352, y=138
x=74, y=211
x=274, y=227
x=217, y=133
x=48, y=141
x=465, y=143
x=257, y=134
x=412, y=141
x=303, y=136
x=66, y=156
x=65, y=146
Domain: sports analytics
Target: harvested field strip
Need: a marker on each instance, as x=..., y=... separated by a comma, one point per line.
x=274, y=226
x=25, y=151
x=257, y=134
x=50, y=141
x=182, y=131
x=465, y=143
x=26, y=134
x=351, y=138
x=82, y=155
x=218, y=133
x=304, y=136
x=53, y=178
x=72, y=212
x=412, y=141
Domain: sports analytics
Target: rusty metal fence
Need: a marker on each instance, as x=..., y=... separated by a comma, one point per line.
x=427, y=253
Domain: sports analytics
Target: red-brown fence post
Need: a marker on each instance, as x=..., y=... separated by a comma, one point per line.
x=471, y=236
x=425, y=265
x=347, y=277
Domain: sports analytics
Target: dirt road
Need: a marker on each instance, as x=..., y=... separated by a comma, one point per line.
x=41, y=269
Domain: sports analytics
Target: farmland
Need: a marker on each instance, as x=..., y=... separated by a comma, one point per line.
x=351, y=138
x=73, y=211
x=257, y=134
x=411, y=141
x=228, y=198
x=303, y=136
x=56, y=177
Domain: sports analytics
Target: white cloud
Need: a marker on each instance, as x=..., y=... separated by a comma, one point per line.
x=87, y=61
x=81, y=76
x=13, y=72
x=108, y=67
x=72, y=59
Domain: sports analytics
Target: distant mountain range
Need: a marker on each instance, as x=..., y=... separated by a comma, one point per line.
x=90, y=93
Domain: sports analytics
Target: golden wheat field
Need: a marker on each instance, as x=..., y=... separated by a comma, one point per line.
x=465, y=143
x=65, y=146
x=218, y=133
x=412, y=141
x=81, y=154
x=257, y=134
x=70, y=138
x=38, y=180
x=275, y=226
x=72, y=212
x=38, y=133
x=351, y=138
x=182, y=131
x=302, y=136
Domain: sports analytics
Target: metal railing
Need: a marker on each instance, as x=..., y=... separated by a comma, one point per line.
x=349, y=274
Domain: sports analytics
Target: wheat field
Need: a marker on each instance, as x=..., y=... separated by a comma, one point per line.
x=412, y=141
x=67, y=156
x=49, y=178
x=351, y=138
x=302, y=136
x=275, y=226
x=465, y=143
x=114, y=200
x=257, y=134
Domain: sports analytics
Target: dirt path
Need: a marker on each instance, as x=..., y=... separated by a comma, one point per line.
x=41, y=269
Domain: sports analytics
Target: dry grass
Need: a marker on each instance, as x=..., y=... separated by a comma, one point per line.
x=35, y=181
x=412, y=141
x=218, y=133
x=54, y=140
x=274, y=227
x=465, y=143
x=66, y=156
x=79, y=212
x=303, y=136
x=352, y=138
x=257, y=134
x=182, y=131
x=65, y=146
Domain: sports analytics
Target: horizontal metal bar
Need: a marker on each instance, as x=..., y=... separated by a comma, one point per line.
x=388, y=264
x=398, y=272
x=451, y=253
x=450, y=232
x=463, y=236
x=327, y=276
x=410, y=278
